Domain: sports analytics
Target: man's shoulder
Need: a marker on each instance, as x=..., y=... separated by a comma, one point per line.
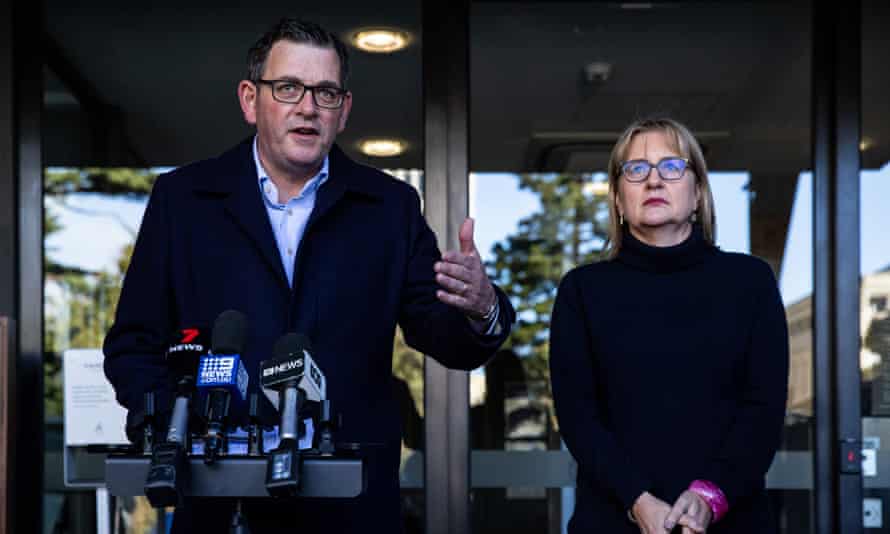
x=375, y=181
x=203, y=173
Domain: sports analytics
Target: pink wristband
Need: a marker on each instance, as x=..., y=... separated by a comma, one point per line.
x=712, y=495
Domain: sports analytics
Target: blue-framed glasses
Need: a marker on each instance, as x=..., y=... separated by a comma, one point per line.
x=637, y=170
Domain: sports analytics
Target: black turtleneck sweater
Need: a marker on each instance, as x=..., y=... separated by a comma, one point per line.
x=669, y=364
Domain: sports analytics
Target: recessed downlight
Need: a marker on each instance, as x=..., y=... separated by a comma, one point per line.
x=382, y=147
x=380, y=40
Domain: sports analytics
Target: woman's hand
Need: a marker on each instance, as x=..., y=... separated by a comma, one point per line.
x=650, y=513
x=691, y=512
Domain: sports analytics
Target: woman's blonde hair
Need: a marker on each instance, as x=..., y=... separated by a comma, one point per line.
x=679, y=138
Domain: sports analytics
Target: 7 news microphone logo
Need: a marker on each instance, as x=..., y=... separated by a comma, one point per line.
x=189, y=340
x=189, y=334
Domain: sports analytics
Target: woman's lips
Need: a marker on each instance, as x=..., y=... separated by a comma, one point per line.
x=654, y=201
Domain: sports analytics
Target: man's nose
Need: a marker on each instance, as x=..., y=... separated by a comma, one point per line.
x=306, y=105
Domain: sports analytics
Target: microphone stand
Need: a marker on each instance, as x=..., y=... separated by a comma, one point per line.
x=239, y=521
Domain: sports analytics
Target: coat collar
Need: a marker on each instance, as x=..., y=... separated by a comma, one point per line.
x=233, y=176
x=234, y=166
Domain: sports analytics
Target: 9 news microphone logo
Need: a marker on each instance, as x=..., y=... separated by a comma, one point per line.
x=226, y=371
x=217, y=370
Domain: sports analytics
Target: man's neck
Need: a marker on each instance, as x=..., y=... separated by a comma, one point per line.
x=290, y=183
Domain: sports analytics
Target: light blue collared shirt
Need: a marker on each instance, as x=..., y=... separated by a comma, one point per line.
x=288, y=219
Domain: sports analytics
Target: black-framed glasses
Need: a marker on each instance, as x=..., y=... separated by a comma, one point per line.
x=637, y=170
x=291, y=92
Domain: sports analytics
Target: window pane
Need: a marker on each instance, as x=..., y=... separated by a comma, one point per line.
x=874, y=261
x=741, y=81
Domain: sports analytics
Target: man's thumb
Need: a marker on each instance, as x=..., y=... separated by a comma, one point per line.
x=466, y=237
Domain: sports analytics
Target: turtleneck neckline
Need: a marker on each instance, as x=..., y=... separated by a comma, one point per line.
x=692, y=251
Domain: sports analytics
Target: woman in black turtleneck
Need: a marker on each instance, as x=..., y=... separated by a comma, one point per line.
x=669, y=361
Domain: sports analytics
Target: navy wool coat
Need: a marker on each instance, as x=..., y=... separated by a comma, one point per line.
x=365, y=264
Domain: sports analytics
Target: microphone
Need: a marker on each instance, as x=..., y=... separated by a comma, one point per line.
x=184, y=356
x=163, y=485
x=222, y=375
x=289, y=379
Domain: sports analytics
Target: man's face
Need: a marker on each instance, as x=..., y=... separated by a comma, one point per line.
x=294, y=139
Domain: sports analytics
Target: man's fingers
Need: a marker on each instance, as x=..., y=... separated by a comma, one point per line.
x=465, y=236
x=451, y=299
x=453, y=285
x=467, y=260
x=454, y=270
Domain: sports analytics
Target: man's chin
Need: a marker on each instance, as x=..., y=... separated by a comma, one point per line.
x=306, y=162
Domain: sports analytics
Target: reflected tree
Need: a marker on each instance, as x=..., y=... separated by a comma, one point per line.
x=569, y=229
x=79, y=303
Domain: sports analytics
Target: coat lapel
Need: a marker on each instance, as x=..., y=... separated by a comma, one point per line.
x=238, y=181
x=345, y=176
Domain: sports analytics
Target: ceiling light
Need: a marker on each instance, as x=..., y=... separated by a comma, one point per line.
x=865, y=144
x=381, y=41
x=382, y=148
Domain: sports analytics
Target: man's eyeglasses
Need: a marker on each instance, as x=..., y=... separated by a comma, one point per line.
x=637, y=170
x=291, y=92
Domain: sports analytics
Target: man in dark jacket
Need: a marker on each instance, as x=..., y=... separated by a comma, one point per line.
x=288, y=230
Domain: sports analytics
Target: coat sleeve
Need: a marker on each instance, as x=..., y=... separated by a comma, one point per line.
x=429, y=325
x=134, y=346
x=755, y=434
x=600, y=457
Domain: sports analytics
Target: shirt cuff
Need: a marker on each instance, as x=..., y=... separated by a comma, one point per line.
x=490, y=327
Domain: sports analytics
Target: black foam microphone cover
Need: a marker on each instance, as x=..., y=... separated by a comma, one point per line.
x=290, y=345
x=229, y=333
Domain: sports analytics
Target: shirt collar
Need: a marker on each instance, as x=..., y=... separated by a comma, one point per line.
x=311, y=186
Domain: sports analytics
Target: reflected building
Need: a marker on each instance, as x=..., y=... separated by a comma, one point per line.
x=874, y=361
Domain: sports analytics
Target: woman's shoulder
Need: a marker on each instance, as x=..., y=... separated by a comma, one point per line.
x=752, y=271
x=751, y=265
x=596, y=269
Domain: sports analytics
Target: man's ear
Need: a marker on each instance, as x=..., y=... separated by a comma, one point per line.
x=344, y=112
x=247, y=97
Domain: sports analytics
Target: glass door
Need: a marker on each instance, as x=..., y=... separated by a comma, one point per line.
x=552, y=85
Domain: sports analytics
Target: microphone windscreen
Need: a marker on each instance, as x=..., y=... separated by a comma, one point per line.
x=290, y=345
x=229, y=333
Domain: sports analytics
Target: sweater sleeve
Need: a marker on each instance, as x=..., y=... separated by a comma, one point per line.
x=600, y=457
x=755, y=433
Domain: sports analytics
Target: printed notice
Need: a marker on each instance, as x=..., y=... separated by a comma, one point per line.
x=92, y=415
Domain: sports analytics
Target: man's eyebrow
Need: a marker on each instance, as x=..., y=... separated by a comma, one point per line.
x=323, y=83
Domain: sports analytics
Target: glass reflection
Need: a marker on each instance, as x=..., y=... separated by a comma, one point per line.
x=534, y=228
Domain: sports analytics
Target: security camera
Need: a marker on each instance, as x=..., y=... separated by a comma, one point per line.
x=597, y=72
